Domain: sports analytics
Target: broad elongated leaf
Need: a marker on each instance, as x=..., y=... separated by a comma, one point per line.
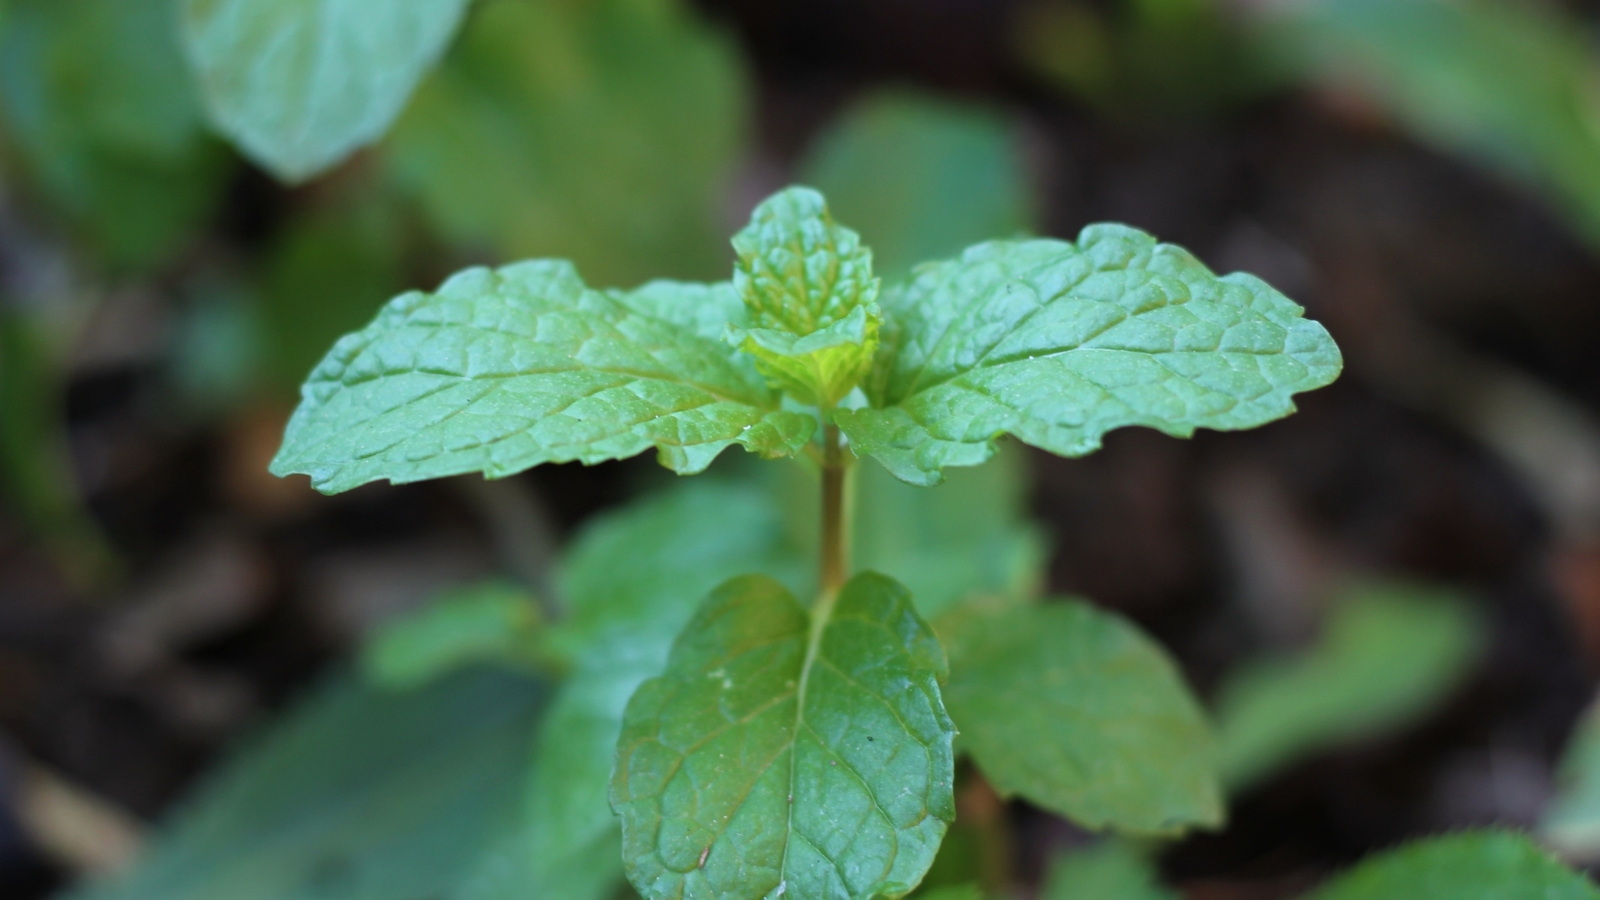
x=1076, y=711
x=1571, y=823
x=1389, y=653
x=502, y=370
x=1480, y=865
x=482, y=623
x=603, y=132
x=786, y=752
x=1110, y=870
x=921, y=178
x=301, y=84
x=807, y=284
x=98, y=106
x=382, y=795
x=1058, y=343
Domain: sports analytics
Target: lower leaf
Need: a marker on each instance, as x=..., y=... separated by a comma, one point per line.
x=787, y=752
x=1079, y=713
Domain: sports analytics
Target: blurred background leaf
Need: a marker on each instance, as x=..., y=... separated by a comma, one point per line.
x=602, y=131
x=102, y=115
x=1108, y=870
x=1571, y=822
x=355, y=793
x=922, y=178
x=36, y=477
x=1144, y=62
x=1387, y=655
x=298, y=86
x=1508, y=85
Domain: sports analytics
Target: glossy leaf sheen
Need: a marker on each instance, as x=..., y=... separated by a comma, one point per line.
x=502, y=370
x=1482, y=865
x=1076, y=711
x=1058, y=343
x=301, y=84
x=807, y=283
x=782, y=756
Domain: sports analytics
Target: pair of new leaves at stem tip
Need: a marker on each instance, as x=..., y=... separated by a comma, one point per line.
x=809, y=752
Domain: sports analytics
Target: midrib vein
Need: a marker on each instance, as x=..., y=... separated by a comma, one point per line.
x=820, y=614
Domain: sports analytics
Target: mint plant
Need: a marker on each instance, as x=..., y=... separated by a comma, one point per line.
x=805, y=745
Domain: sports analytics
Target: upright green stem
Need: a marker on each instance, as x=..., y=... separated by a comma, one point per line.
x=835, y=537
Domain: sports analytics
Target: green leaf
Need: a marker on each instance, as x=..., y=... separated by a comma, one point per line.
x=604, y=132
x=1077, y=712
x=484, y=623
x=1389, y=653
x=1507, y=84
x=381, y=795
x=301, y=84
x=1571, y=822
x=787, y=753
x=632, y=580
x=98, y=106
x=1110, y=870
x=1474, y=865
x=921, y=178
x=503, y=370
x=1058, y=343
x=807, y=284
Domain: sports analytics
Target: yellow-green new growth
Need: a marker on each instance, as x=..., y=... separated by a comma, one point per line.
x=812, y=300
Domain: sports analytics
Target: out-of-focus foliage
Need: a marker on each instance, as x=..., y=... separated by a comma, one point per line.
x=382, y=795
x=1142, y=60
x=600, y=131
x=491, y=622
x=1473, y=865
x=299, y=85
x=1511, y=85
x=1109, y=870
x=921, y=178
x=103, y=116
x=1075, y=710
x=36, y=479
x=1387, y=654
x=1571, y=823
x=328, y=274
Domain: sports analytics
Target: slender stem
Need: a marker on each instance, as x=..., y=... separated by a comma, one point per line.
x=835, y=536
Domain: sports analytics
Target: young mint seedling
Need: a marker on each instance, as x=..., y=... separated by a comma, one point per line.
x=804, y=750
